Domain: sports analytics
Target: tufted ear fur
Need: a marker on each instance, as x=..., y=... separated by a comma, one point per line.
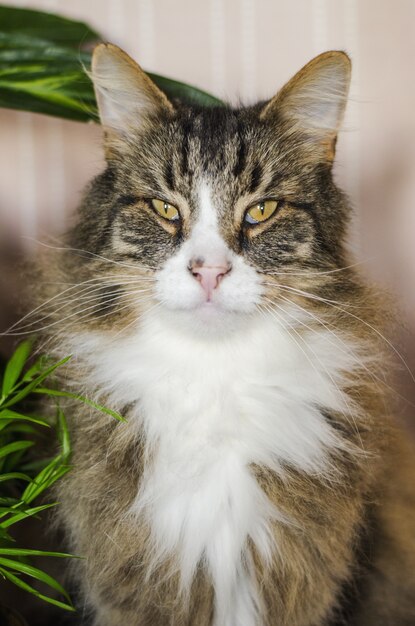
x=126, y=96
x=314, y=100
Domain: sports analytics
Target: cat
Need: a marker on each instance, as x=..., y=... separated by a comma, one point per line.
x=259, y=478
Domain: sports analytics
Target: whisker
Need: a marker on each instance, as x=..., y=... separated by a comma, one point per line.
x=359, y=319
x=323, y=272
x=314, y=296
x=342, y=394
x=85, y=284
x=88, y=253
x=80, y=315
x=360, y=362
x=86, y=295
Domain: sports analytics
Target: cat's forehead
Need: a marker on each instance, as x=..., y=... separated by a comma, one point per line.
x=212, y=141
x=228, y=150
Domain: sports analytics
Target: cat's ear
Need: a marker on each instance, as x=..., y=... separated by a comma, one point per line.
x=126, y=96
x=314, y=100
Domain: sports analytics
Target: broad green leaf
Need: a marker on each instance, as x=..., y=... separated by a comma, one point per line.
x=39, y=72
x=40, y=76
x=33, y=572
x=16, y=363
x=68, y=394
x=14, y=446
x=34, y=383
x=184, y=92
x=23, y=585
x=46, y=26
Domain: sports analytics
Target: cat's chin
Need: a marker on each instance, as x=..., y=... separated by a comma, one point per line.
x=208, y=319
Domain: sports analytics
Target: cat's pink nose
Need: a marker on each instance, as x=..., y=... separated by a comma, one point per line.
x=209, y=276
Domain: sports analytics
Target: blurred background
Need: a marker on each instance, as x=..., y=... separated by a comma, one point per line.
x=239, y=50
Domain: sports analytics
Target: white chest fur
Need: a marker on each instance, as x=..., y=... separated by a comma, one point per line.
x=209, y=409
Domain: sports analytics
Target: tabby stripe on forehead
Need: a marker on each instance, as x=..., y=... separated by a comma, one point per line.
x=256, y=178
x=187, y=130
x=241, y=157
x=169, y=176
x=126, y=200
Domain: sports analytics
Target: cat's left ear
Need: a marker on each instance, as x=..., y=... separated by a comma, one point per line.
x=313, y=102
x=126, y=96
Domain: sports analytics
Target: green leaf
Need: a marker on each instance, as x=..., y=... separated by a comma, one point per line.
x=46, y=477
x=43, y=72
x=184, y=92
x=63, y=434
x=20, y=515
x=44, y=25
x=14, y=476
x=43, y=77
x=68, y=394
x=16, y=363
x=35, y=383
x=4, y=536
x=37, y=367
x=28, y=552
x=9, y=501
x=14, y=446
x=33, y=572
x=23, y=585
x=9, y=415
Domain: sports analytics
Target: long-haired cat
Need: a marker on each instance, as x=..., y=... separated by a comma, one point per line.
x=258, y=479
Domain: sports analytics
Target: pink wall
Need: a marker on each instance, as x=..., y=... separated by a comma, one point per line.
x=243, y=50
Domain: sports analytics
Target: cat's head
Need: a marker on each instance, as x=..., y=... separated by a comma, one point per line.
x=216, y=206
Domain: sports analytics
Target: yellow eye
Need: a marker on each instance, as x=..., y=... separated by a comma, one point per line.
x=166, y=210
x=261, y=212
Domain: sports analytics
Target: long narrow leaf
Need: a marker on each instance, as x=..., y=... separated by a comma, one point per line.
x=45, y=479
x=33, y=572
x=37, y=367
x=14, y=476
x=17, y=517
x=34, y=383
x=8, y=414
x=28, y=552
x=23, y=585
x=63, y=434
x=16, y=362
x=14, y=446
x=74, y=396
x=8, y=501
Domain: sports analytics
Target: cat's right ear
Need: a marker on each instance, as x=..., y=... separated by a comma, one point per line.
x=126, y=96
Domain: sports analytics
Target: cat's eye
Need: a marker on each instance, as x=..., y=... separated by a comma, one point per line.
x=165, y=210
x=261, y=211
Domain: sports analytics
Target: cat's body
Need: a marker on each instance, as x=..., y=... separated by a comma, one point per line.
x=255, y=482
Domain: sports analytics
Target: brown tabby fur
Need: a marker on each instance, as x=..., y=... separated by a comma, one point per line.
x=347, y=554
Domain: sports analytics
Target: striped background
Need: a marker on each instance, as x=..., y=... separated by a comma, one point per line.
x=242, y=50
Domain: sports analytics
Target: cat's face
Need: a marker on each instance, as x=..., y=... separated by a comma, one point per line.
x=218, y=205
